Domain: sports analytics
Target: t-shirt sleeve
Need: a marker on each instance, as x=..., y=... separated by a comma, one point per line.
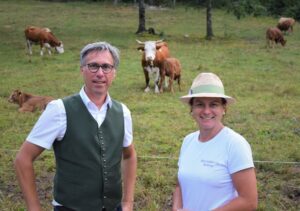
x=240, y=155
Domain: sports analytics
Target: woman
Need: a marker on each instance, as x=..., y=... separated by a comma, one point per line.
x=216, y=170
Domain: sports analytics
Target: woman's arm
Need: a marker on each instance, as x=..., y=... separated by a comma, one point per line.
x=245, y=183
x=177, y=199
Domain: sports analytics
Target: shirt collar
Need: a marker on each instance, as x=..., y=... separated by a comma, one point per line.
x=86, y=100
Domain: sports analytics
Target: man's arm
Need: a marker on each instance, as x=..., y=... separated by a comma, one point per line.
x=25, y=174
x=129, y=164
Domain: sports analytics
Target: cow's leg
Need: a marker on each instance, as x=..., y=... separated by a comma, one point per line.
x=28, y=42
x=156, y=81
x=166, y=84
x=42, y=49
x=147, y=79
x=179, y=82
x=171, y=79
x=267, y=43
x=161, y=81
x=48, y=47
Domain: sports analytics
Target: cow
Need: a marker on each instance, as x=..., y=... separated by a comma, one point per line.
x=274, y=35
x=286, y=24
x=172, y=68
x=29, y=102
x=44, y=37
x=154, y=53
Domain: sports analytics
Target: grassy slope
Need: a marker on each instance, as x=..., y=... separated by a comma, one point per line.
x=265, y=83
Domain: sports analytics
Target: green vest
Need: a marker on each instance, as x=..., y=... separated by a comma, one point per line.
x=88, y=158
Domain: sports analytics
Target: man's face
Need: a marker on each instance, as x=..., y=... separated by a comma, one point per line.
x=98, y=83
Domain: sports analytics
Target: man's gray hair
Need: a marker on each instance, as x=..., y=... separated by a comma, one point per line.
x=100, y=46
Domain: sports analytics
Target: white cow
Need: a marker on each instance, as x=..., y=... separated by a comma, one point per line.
x=154, y=53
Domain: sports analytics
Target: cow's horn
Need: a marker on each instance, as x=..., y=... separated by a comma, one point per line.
x=159, y=41
x=139, y=42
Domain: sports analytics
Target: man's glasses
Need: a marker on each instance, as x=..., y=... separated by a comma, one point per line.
x=94, y=67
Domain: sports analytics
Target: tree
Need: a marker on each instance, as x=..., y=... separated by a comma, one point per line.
x=209, y=31
x=141, y=27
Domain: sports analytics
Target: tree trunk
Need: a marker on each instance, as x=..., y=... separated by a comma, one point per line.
x=150, y=2
x=141, y=27
x=209, y=31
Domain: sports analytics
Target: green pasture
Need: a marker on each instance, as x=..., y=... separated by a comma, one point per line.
x=265, y=82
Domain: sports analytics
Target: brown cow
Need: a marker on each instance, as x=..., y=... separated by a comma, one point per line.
x=286, y=24
x=274, y=35
x=154, y=53
x=44, y=37
x=28, y=102
x=172, y=68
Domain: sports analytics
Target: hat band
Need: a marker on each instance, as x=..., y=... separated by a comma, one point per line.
x=207, y=89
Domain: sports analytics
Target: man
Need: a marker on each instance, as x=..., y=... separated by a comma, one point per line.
x=91, y=135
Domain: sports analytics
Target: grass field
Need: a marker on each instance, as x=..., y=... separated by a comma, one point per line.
x=264, y=81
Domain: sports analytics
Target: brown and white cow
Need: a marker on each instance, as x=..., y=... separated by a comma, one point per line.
x=172, y=68
x=286, y=24
x=154, y=53
x=44, y=37
x=274, y=35
x=29, y=102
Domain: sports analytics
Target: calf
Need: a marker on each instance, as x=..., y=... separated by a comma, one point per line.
x=28, y=102
x=44, y=37
x=154, y=53
x=274, y=35
x=286, y=24
x=172, y=68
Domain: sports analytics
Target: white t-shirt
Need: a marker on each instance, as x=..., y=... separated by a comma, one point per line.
x=205, y=168
x=52, y=124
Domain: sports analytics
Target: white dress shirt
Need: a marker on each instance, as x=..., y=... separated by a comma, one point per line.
x=52, y=124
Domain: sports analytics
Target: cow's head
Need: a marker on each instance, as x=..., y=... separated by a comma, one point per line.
x=60, y=49
x=283, y=42
x=150, y=48
x=15, y=96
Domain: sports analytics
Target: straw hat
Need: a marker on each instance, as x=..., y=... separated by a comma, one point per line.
x=207, y=85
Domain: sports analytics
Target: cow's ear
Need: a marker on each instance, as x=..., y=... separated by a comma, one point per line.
x=140, y=48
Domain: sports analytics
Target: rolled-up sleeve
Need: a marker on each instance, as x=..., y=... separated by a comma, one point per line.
x=50, y=126
x=128, y=137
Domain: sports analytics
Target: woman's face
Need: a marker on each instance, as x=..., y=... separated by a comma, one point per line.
x=208, y=112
